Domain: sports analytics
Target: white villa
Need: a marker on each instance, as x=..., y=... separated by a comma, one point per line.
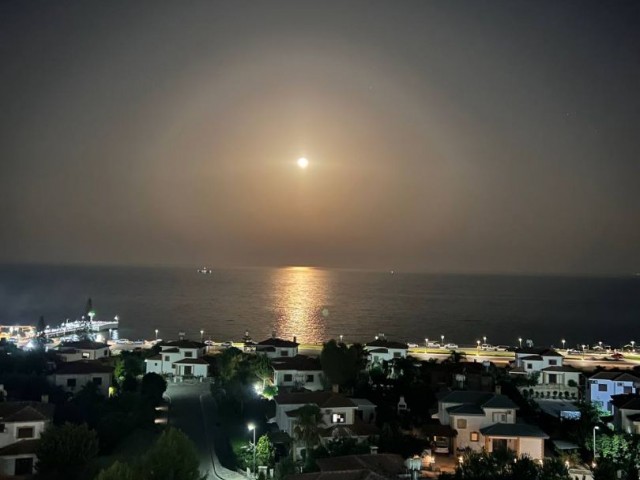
x=180, y=358
x=626, y=413
x=555, y=381
x=83, y=350
x=21, y=424
x=72, y=376
x=604, y=385
x=277, y=347
x=383, y=350
x=298, y=372
x=488, y=421
x=341, y=416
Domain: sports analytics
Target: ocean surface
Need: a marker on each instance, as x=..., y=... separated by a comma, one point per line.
x=316, y=304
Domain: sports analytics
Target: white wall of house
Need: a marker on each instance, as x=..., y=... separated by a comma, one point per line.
x=309, y=379
x=532, y=447
x=280, y=352
x=559, y=378
x=154, y=366
x=391, y=353
x=466, y=425
x=196, y=369
x=93, y=354
x=16, y=431
x=601, y=390
x=74, y=382
x=531, y=366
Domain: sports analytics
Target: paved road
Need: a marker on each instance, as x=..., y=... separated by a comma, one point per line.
x=192, y=410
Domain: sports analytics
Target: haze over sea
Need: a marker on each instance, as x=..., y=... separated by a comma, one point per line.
x=316, y=304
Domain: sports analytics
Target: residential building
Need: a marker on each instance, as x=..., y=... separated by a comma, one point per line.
x=21, y=425
x=298, y=372
x=277, y=347
x=383, y=350
x=626, y=413
x=384, y=466
x=604, y=385
x=73, y=376
x=555, y=381
x=89, y=350
x=339, y=415
x=482, y=420
x=180, y=358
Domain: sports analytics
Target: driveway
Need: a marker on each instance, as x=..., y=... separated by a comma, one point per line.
x=192, y=410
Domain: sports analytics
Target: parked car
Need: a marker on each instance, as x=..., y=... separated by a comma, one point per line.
x=451, y=346
x=228, y=344
x=502, y=348
x=617, y=356
x=209, y=343
x=487, y=346
x=573, y=351
x=433, y=344
x=412, y=345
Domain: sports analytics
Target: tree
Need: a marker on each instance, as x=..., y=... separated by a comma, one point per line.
x=307, y=428
x=66, y=448
x=152, y=387
x=341, y=364
x=265, y=453
x=172, y=457
x=503, y=465
x=128, y=363
x=118, y=471
x=261, y=368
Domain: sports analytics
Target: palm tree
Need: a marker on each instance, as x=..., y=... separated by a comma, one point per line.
x=307, y=428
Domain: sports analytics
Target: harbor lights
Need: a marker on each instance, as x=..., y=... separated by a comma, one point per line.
x=633, y=345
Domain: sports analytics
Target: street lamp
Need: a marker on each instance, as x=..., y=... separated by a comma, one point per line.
x=442, y=340
x=251, y=427
x=478, y=348
x=633, y=345
x=426, y=342
x=594, y=442
x=563, y=342
x=484, y=339
x=156, y=334
x=202, y=335
x=583, y=347
x=520, y=341
x=341, y=337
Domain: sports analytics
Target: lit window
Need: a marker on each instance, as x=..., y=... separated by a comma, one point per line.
x=474, y=436
x=338, y=418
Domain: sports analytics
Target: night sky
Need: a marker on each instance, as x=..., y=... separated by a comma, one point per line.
x=442, y=136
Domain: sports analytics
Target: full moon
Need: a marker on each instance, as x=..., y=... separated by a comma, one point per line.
x=303, y=162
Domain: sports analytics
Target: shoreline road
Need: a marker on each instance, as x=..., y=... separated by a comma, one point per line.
x=192, y=410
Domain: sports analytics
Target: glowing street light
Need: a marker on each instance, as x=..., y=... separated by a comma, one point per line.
x=484, y=339
x=442, y=340
x=633, y=345
x=594, y=442
x=478, y=347
x=426, y=342
x=251, y=427
x=202, y=335
x=156, y=334
x=341, y=337
x=563, y=342
x=520, y=341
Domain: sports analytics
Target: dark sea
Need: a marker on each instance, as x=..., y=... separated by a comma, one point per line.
x=316, y=304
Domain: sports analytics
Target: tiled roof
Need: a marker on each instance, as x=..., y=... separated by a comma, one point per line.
x=23, y=447
x=384, y=343
x=192, y=361
x=170, y=350
x=155, y=357
x=85, y=345
x=532, y=358
x=278, y=342
x=478, y=399
x=82, y=367
x=183, y=344
x=513, y=430
x=617, y=376
x=321, y=399
x=465, y=409
x=299, y=362
x=25, y=411
x=379, y=350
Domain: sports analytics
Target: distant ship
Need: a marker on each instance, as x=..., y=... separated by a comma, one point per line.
x=204, y=270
